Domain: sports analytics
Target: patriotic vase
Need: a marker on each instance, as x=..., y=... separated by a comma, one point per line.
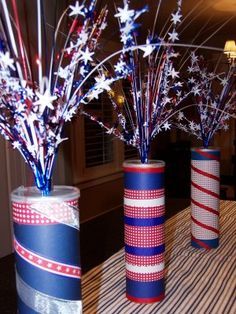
x=205, y=190
x=47, y=252
x=144, y=210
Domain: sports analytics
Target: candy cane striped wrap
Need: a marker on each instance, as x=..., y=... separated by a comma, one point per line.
x=205, y=188
x=144, y=207
x=47, y=252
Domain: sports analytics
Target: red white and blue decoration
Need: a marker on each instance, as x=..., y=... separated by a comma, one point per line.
x=213, y=99
x=152, y=90
x=47, y=250
x=213, y=103
x=205, y=189
x=41, y=91
x=144, y=207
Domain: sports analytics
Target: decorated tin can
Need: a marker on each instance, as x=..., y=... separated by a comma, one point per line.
x=47, y=250
x=205, y=190
x=144, y=210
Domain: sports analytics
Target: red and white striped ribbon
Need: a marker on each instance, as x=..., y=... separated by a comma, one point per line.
x=205, y=199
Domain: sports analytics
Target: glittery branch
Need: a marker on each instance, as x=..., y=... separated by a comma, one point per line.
x=213, y=96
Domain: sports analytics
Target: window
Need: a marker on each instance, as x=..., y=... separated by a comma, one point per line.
x=93, y=153
x=99, y=148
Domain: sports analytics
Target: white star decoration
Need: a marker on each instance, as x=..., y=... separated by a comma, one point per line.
x=173, y=73
x=94, y=94
x=102, y=83
x=76, y=9
x=45, y=101
x=86, y=56
x=176, y=17
x=173, y=36
x=125, y=14
x=119, y=66
x=16, y=144
x=180, y=116
x=63, y=73
x=167, y=126
x=83, y=37
x=6, y=61
x=224, y=81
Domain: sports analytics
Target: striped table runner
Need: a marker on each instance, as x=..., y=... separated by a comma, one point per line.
x=196, y=281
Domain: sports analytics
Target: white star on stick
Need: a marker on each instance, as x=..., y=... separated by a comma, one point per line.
x=16, y=144
x=167, y=126
x=192, y=125
x=173, y=36
x=176, y=17
x=63, y=73
x=224, y=81
x=76, y=9
x=196, y=90
x=94, y=94
x=180, y=116
x=120, y=66
x=6, y=61
x=83, y=37
x=45, y=100
x=125, y=14
x=102, y=83
x=173, y=73
x=86, y=56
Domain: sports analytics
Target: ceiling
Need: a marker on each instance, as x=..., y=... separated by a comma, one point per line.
x=224, y=5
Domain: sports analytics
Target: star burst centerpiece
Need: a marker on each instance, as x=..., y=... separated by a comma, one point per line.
x=152, y=89
x=33, y=110
x=213, y=97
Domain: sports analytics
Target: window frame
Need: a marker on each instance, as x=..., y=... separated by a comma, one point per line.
x=82, y=174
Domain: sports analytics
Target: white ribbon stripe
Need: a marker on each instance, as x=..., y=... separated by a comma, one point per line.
x=47, y=209
x=43, y=303
x=144, y=203
x=145, y=269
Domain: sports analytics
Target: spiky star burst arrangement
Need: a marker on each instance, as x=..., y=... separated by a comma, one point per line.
x=32, y=114
x=213, y=96
x=154, y=89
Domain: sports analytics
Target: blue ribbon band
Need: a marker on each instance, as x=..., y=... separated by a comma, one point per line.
x=142, y=290
x=145, y=251
x=144, y=222
x=143, y=181
x=204, y=244
x=201, y=154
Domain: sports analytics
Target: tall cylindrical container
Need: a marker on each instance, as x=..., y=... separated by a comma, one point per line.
x=205, y=190
x=144, y=210
x=47, y=251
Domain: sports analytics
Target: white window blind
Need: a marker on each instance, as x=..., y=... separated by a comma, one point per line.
x=99, y=148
